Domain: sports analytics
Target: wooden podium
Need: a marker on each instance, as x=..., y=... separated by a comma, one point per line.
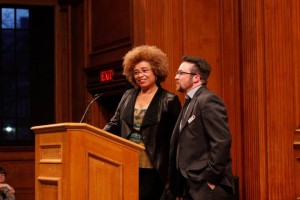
x=78, y=161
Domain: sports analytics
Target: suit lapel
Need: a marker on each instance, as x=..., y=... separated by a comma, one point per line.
x=151, y=115
x=190, y=108
x=128, y=110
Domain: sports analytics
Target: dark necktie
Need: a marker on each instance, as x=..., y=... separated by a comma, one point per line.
x=185, y=106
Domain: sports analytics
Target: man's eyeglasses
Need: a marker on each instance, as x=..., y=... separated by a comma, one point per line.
x=180, y=73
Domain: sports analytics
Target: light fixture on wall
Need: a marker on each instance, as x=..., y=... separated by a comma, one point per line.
x=8, y=129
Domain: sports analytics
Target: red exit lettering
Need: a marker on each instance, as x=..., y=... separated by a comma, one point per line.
x=106, y=75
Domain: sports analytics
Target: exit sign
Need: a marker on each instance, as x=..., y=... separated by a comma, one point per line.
x=106, y=75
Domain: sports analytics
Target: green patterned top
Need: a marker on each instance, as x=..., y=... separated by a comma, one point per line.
x=135, y=136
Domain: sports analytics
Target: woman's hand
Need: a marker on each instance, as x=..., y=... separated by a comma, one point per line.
x=5, y=185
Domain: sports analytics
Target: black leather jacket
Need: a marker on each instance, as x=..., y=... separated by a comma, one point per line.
x=156, y=128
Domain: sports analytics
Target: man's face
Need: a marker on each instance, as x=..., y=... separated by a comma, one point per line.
x=2, y=178
x=184, y=77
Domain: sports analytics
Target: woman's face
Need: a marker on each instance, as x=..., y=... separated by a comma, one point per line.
x=143, y=75
x=2, y=178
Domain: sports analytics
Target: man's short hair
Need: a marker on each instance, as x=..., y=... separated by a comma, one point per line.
x=202, y=66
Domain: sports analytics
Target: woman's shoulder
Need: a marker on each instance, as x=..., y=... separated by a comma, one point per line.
x=168, y=95
x=130, y=91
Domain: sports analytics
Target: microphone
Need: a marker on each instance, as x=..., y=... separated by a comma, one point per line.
x=97, y=96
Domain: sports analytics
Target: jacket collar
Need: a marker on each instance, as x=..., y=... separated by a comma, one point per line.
x=151, y=115
x=191, y=106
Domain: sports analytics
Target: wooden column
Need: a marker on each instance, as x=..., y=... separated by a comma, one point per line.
x=269, y=38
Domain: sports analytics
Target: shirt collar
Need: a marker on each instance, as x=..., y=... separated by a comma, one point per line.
x=191, y=93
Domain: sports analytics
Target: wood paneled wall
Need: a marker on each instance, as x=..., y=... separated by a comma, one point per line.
x=207, y=29
x=196, y=27
x=19, y=165
x=252, y=47
x=297, y=162
x=270, y=88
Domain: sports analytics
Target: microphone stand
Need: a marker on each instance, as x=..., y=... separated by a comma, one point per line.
x=87, y=108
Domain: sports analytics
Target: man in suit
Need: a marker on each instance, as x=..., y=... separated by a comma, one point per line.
x=200, y=162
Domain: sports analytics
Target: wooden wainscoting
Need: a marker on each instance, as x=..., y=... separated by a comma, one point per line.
x=19, y=165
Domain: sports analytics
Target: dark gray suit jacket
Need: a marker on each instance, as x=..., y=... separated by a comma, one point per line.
x=202, y=145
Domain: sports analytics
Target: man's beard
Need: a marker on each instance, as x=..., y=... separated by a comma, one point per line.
x=179, y=88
